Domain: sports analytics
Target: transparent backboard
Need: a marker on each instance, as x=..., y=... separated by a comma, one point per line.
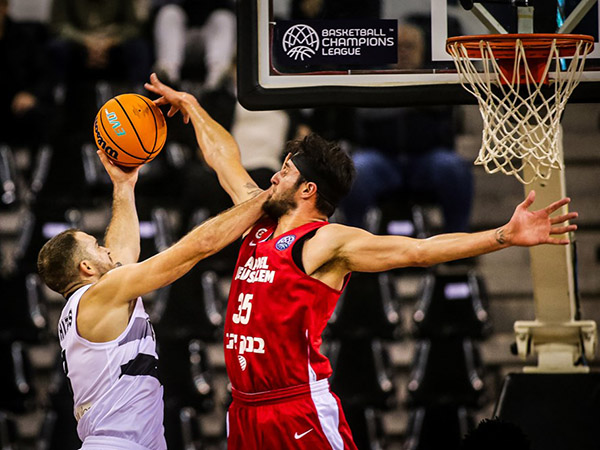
x=306, y=53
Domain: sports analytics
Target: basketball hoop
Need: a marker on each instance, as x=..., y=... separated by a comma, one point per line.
x=522, y=89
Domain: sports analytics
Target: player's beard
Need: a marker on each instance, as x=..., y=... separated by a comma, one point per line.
x=103, y=266
x=278, y=207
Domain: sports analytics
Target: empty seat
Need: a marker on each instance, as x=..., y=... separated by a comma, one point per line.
x=17, y=393
x=191, y=431
x=400, y=218
x=190, y=308
x=452, y=305
x=23, y=309
x=37, y=226
x=367, y=308
x=185, y=372
x=8, y=181
x=9, y=433
x=362, y=373
x=366, y=426
x=446, y=372
x=437, y=427
x=58, y=430
x=156, y=232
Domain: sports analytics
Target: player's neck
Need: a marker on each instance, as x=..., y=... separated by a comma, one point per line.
x=296, y=218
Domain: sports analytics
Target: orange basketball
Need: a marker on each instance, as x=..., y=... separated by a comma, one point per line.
x=130, y=129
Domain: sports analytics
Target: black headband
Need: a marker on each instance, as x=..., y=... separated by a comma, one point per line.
x=325, y=187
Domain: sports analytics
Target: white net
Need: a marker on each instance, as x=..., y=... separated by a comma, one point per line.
x=521, y=120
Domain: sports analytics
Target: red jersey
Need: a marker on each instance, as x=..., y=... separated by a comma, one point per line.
x=276, y=314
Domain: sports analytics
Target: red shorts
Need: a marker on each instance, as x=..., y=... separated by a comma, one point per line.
x=303, y=417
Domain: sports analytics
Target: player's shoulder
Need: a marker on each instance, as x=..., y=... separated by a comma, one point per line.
x=335, y=234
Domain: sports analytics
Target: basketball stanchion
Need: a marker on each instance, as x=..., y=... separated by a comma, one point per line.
x=522, y=83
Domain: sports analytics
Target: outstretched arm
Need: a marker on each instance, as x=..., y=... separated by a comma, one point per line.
x=125, y=283
x=350, y=249
x=123, y=233
x=219, y=149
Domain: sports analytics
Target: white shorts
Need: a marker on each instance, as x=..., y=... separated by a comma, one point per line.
x=109, y=442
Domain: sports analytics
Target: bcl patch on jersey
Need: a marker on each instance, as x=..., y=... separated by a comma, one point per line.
x=285, y=242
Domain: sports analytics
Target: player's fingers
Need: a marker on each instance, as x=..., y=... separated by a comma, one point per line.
x=528, y=200
x=557, y=204
x=563, y=229
x=556, y=241
x=151, y=88
x=161, y=101
x=154, y=79
x=563, y=218
x=105, y=160
x=172, y=111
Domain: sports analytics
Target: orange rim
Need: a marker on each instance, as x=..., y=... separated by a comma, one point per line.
x=536, y=45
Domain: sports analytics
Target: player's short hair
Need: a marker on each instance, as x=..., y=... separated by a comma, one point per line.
x=327, y=165
x=58, y=260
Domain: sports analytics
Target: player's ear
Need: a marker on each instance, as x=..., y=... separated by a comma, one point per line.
x=309, y=189
x=86, y=267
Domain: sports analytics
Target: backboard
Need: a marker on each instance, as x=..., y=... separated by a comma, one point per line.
x=307, y=53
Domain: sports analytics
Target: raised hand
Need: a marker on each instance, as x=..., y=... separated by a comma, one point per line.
x=119, y=175
x=169, y=96
x=527, y=228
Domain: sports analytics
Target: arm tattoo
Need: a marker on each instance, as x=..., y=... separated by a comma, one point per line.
x=500, y=236
x=252, y=189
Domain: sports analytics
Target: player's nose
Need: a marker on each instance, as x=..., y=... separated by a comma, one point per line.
x=275, y=177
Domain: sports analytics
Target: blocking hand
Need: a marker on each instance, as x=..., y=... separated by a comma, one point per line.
x=527, y=228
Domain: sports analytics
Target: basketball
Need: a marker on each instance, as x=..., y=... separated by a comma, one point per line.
x=130, y=129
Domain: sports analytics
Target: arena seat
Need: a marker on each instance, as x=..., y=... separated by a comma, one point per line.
x=191, y=432
x=17, y=393
x=366, y=426
x=9, y=197
x=190, y=308
x=185, y=372
x=9, y=433
x=451, y=305
x=446, y=371
x=362, y=373
x=366, y=309
x=437, y=427
x=23, y=309
x=58, y=429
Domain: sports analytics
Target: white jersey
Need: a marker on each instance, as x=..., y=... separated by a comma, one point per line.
x=115, y=386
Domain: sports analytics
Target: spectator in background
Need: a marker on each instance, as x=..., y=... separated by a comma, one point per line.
x=96, y=40
x=25, y=98
x=410, y=149
x=336, y=9
x=198, y=35
x=99, y=35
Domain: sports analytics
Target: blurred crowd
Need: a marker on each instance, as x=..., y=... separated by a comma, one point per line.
x=57, y=73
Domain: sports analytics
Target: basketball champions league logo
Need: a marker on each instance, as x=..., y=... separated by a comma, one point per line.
x=334, y=43
x=300, y=41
